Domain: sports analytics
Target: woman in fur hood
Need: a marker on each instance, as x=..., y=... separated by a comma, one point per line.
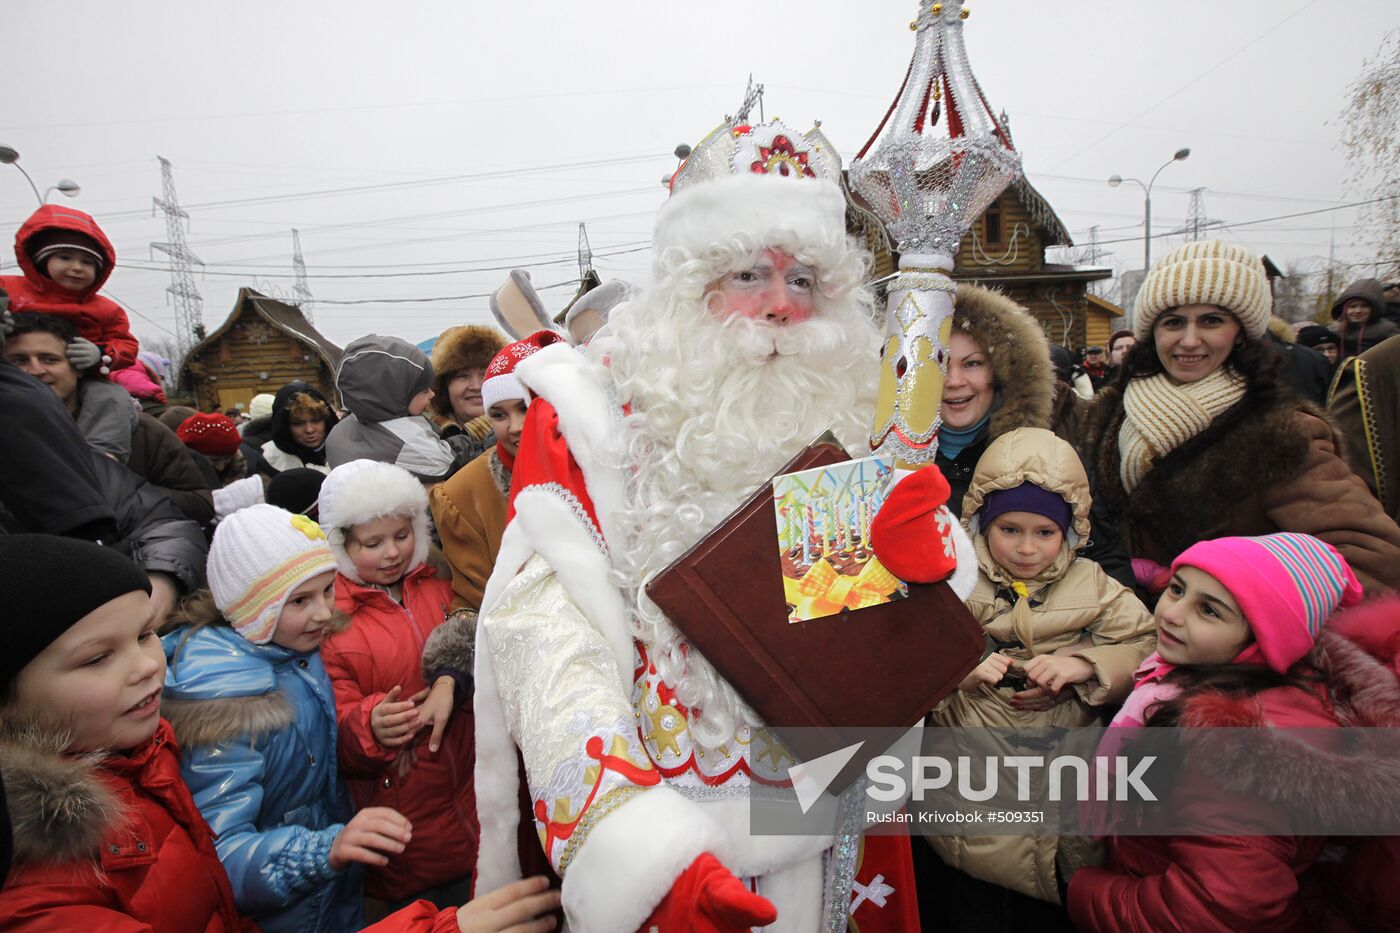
x=459, y=359
x=1000, y=378
x=1198, y=439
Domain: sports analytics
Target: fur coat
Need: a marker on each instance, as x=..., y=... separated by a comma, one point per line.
x=110, y=843
x=1261, y=467
x=469, y=512
x=1238, y=883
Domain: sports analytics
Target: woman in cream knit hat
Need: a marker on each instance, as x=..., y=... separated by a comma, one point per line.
x=1199, y=439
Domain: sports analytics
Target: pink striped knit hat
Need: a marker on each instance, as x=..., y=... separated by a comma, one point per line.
x=259, y=555
x=1286, y=585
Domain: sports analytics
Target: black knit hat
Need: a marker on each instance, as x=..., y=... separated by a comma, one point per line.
x=51, y=583
x=1314, y=335
x=296, y=490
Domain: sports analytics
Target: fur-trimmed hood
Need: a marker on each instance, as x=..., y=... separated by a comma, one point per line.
x=1295, y=774
x=363, y=490
x=220, y=686
x=470, y=346
x=1020, y=356
x=60, y=808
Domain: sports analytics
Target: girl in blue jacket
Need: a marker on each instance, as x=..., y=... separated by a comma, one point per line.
x=254, y=714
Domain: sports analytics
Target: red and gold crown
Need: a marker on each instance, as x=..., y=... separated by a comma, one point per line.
x=766, y=149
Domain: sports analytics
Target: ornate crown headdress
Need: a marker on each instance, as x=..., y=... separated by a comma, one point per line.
x=765, y=149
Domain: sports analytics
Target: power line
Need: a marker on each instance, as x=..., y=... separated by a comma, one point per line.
x=395, y=301
x=401, y=185
x=1261, y=220
x=250, y=273
x=1197, y=79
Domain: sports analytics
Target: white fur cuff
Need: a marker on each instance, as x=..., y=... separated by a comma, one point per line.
x=632, y=857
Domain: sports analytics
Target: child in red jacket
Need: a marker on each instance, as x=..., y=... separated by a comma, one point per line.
x=1242, y=643
x=106, y=835
x=402, y=681
x=66, y=259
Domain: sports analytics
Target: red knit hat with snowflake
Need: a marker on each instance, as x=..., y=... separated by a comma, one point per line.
x=501, y=382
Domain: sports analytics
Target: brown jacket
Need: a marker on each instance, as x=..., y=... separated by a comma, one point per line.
x=1259, y=468
x=469, y=510
x=1072, y=599
x=159, y=457
x=1365, y=407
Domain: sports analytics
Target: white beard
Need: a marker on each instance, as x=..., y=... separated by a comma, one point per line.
x=718, y=406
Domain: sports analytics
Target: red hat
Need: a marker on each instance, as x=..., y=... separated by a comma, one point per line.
x=501, y=382
x=212, y=435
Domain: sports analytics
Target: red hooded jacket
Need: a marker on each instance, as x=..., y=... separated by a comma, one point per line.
x=97, y=318
x=155, y=869
x=382, y=647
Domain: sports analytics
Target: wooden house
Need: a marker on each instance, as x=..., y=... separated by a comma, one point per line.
x=263, y=345
x=1005, y=250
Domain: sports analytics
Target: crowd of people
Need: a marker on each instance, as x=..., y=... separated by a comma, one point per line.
x=387, y=660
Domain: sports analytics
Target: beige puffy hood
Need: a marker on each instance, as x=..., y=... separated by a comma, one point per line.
x=1031, y=455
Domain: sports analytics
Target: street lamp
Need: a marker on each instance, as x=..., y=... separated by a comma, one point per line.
x=1115, y=180
x=10, y=156
x=682, y=153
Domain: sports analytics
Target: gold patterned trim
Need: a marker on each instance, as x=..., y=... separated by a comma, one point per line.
x=600, y=808
x=1368, y=413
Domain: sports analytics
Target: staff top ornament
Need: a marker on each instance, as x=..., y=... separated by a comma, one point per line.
x=933, y=165
x=939, y=157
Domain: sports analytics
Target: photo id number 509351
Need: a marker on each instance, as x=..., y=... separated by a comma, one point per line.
x=960, y=816
x=1015, y=816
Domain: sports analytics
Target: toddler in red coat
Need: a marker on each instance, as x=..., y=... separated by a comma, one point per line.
x=1242, y=643
x=66, y=259
x=401, y=671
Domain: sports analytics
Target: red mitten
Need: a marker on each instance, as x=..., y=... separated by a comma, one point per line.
x=707, y=898
x=910, y=535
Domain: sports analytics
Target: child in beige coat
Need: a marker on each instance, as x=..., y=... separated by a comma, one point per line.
x=1066, y=636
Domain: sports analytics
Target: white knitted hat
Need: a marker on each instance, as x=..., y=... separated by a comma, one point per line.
x=1206, y=272
x=259, y=555
x=363, y=490
x=260, y=406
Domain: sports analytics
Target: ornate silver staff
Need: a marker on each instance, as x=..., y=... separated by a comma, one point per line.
x=935, y=162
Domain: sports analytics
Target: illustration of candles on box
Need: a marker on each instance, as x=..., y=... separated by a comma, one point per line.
x=809, y=539
x=828, y=527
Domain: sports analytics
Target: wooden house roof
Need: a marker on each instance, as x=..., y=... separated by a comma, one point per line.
x=284, y=317
x=1099, y=305
x=1055, y=231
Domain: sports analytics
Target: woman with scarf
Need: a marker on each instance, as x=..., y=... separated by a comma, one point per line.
x=1198, y=439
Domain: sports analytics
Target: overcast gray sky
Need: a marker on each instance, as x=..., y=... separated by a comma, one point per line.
x=500, y=126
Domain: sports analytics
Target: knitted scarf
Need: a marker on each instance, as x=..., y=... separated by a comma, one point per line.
x=1159, y=416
